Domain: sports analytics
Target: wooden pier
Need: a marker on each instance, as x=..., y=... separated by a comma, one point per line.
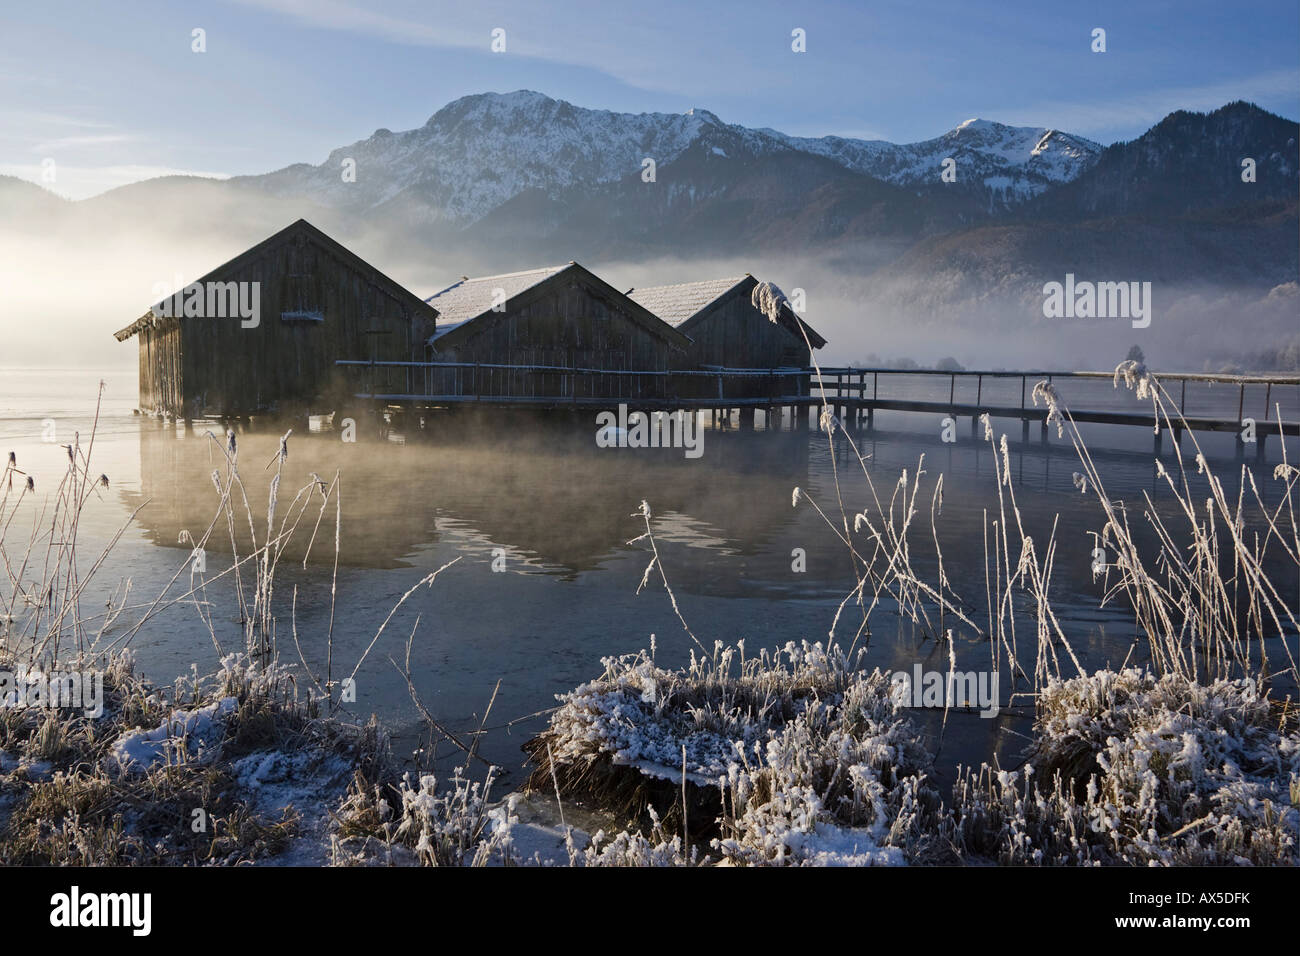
x=795, y=395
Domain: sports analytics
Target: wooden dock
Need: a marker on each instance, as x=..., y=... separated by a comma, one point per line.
x=795, y=395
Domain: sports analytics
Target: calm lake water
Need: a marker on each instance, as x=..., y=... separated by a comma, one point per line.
x=556, y=512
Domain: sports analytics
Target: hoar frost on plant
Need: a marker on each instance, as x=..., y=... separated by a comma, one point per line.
x=457, y=826
x=1136, y=378
x=814, y=760
x=768, y=299
x=843, y=783
x=630, y=848
x=641, y=715
x=1046, y=391
x=1171, y=772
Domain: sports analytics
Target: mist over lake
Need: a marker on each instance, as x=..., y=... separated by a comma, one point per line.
x=553, y=513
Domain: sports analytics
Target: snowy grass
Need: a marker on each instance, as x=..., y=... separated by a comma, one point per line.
x=261, y=770
x=414, y=820
x=232, y=768
x=1194, y=761
x=1126, y=768
x=793, y=757
x=643, y=738
x=1133, y=769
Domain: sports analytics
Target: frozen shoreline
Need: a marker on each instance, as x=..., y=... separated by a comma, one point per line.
x=1152, y=771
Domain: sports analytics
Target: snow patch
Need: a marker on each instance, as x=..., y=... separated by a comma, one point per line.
x=186, y=734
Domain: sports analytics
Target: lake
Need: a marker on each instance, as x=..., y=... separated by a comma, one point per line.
x=541, y=519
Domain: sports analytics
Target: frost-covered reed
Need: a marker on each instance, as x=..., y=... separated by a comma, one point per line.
x=1192, y=759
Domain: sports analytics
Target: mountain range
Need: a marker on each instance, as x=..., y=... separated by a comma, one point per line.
x=500, y=182
x=480, y=152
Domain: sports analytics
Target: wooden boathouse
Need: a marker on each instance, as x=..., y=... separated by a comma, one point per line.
x=726, y=328
x=304, y=325
x=545, y=323
x=262, y=332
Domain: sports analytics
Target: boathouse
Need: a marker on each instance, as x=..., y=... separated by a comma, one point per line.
x=262, y=332
x=563, y=323
x=726, y=328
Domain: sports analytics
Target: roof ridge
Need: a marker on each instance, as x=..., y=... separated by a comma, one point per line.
x=262, y=246
x=506, y=275
x=734, y=280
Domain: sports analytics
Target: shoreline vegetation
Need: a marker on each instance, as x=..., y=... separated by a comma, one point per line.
x=794, y=756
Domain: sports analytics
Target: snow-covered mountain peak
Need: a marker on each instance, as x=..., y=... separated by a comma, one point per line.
x=483, y=150
x=1013, y=162
x=704, y=116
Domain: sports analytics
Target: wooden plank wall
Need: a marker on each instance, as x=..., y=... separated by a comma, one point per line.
x=734, y=334
x=737, y=335
x=287, y=365
x=161, y=376
x=568, y=326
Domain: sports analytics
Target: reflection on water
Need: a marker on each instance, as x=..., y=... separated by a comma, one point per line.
x=545, y=494
x=547, y=582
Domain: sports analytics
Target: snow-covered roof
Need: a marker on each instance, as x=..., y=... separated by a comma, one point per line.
x=677, y=303
x=470, y=298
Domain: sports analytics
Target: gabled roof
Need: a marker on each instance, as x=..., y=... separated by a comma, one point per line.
x=677, y=303
x=466, y=306
x=682, y=305
x=303, y=228
x=470, y=298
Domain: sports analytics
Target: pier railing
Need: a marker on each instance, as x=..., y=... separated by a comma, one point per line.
x=1213, y=402
x=1205, y=401
x=865, y=383
x=456, y=382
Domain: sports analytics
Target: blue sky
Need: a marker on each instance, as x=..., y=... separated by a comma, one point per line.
x=112, y=92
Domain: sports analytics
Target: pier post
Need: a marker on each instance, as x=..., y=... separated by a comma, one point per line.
x=747, y=418
x=1024, y=430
